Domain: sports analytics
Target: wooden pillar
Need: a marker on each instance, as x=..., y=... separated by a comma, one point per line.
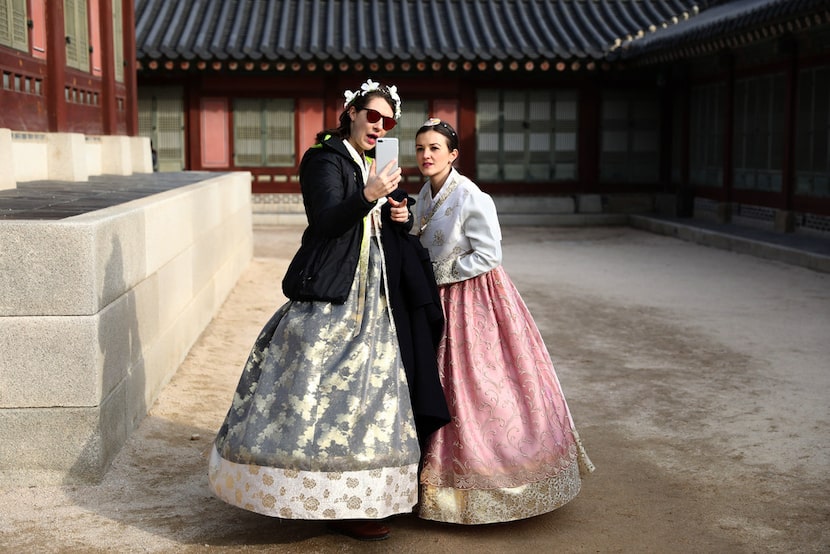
x=790, y=48
x=192, y=98
x=130, y=71
x=109, y=106
x=588, y=135
x=668, y=100
x=728, y=133
x=467, y=130
x=686, y=192
x=55, y=67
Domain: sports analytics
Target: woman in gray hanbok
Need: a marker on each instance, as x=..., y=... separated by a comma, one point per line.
x=321, y=425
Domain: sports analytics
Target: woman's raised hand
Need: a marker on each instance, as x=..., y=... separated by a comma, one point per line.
x=398, y=210
x=380, y=185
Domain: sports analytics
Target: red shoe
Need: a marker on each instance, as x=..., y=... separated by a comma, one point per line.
x=361, y=529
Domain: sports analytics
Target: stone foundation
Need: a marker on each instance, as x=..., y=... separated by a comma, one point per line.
x=98, y=310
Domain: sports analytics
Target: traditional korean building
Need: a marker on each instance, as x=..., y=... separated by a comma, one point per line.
x=68, y=100
x=709, y=107
x=68, y=66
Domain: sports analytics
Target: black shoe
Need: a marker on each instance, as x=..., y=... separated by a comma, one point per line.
x=360, y=529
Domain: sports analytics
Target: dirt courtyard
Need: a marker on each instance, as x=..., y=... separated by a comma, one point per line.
x=699, y=380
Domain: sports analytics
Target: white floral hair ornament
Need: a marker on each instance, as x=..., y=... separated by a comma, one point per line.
x=370, y=86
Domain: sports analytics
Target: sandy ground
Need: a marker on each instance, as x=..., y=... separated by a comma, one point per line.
x=698, y=379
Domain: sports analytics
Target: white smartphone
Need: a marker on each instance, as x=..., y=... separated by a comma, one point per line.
x=386, y=150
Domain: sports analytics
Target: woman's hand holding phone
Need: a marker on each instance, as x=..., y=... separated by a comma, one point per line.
x=380, y=185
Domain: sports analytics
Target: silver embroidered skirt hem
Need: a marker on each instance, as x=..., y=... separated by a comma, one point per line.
x=321, y=424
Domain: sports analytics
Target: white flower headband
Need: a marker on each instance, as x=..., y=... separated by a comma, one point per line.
x=370, y=86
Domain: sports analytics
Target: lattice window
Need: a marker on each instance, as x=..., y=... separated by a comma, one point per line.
x=414, y=115
x=161, y=119
x=706, y=135
x=759, y=133
x=526, y=135
x=812, y=158
x=263, y=132
x=77, y=34
x=13, y=32
x=629, y=137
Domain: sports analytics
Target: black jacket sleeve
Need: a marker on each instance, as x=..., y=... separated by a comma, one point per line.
x=332, y=194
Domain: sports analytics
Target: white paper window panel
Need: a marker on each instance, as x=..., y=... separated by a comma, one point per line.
x=611, y=171
x=409, y=123
x=245, y=146
x=614, y=141
x=646, y=172
x=804, y=183
x=412, y=119
x=247, y=160
x=561, y=156
x=118, y=40
x=279, y=124
x=613, y=109
x=280, y=152
x=706, y=176
x=565, y=141
x=514, y=110
x=539, y=142
x=743, y=178
x=169, y=124
x=769, y=182
x=539, y=172
x=488, y=142
x=514, y=142
x=644, y=141
x=488, y=172
x=644, y=113
x=13, y=19
x=564, y=171
x=145, y=116
x=514, y=172
x=280, y=146
x=488, y=101
x=488, y=114
x=565, y=109
x=5, y=28
x=539, y=109
x=70, y=28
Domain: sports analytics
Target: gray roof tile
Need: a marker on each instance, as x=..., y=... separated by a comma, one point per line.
x=724, y=19
x=405, y=30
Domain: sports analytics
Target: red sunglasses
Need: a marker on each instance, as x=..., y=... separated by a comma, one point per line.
x=373, y=116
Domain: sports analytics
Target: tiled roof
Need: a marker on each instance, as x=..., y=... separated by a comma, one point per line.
x=729, y=23
x=339, y=31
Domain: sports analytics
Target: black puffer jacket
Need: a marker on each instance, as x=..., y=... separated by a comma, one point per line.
x=332, y=186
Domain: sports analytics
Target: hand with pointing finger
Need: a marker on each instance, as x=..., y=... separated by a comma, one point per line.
x=399, y=211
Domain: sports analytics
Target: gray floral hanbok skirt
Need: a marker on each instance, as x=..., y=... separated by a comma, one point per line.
x=321, y=425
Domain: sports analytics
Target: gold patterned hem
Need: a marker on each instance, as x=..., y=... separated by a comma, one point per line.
x=294, y=494
x=480, y=506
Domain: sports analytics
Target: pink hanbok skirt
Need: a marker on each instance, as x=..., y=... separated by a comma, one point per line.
x=511, y=450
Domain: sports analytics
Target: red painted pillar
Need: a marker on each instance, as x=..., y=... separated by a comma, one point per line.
x=55, y=67
x=588, y=136
x=109, y=106
x=130, y=73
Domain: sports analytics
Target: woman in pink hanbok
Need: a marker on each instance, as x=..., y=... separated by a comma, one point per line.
x=511, y=450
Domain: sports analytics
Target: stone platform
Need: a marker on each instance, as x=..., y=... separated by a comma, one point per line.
x=104, y=287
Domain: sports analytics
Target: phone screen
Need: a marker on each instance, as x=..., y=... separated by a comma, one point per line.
x=386, y=150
